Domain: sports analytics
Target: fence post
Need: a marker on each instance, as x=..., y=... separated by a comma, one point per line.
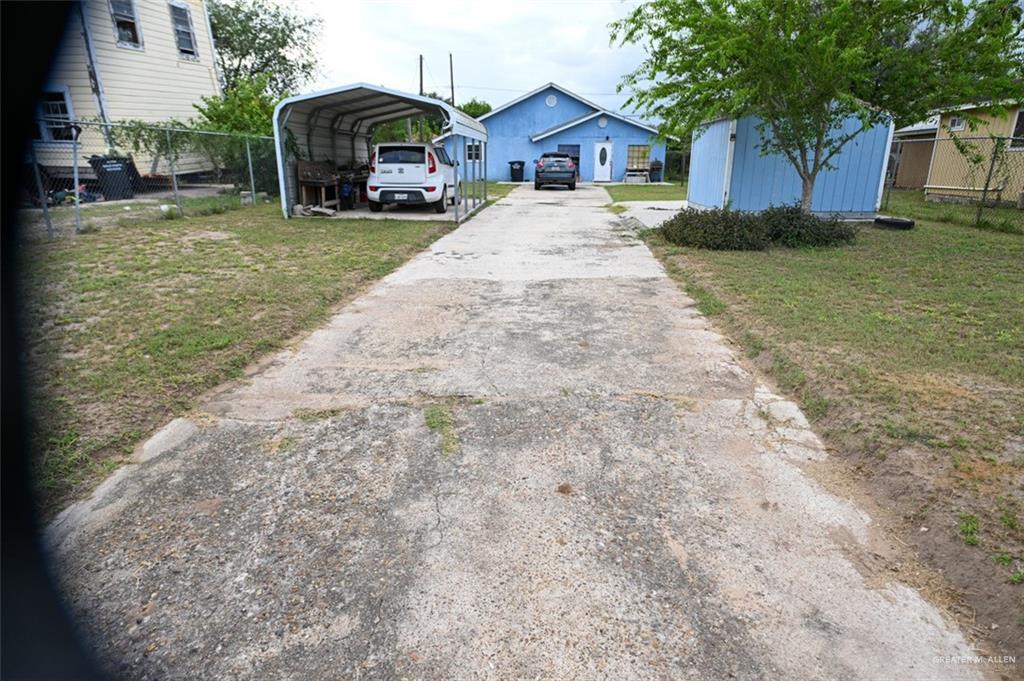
x=42, y=194
x=252, y=178
x=174, y=175
x=988, y=180
x=75, y=131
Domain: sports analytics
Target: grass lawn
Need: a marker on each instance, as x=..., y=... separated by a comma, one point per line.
x=497, y=191
x=128, y=325
x=911, y=203
x=907, y=352
x=647, y=192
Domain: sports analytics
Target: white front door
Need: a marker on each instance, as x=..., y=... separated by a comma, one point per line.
x=602, y=161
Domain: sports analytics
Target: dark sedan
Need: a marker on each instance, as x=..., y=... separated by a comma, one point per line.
x=554, y=167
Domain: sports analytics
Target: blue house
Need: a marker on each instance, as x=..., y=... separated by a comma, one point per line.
x=604, y=143
x=727, y=168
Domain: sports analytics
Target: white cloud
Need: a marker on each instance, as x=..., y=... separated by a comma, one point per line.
x=500, y=49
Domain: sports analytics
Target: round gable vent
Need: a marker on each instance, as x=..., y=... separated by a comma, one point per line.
x=551, y=100
x=602, y=122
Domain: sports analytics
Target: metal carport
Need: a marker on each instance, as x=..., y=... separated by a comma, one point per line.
x=337, y=125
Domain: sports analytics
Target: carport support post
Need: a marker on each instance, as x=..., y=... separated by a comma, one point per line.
x=252, y=180
x=42, y=194
x=174, y=175
x=455, y=190
x=483, y=160
x=465, y=163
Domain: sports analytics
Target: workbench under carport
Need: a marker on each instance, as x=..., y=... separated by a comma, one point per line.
x=335, y=126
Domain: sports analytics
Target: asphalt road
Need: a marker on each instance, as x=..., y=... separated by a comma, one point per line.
x=525, y=454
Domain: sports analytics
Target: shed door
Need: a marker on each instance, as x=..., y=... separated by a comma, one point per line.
x=602, y=162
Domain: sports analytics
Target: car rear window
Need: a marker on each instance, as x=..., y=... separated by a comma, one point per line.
x=401, y=155
x=555, y=155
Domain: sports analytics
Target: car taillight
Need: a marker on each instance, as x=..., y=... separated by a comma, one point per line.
x=373, y=163
x=430, y=189
x=431, y=164
x=540, y=164
x=570, y=165
x=372, y=187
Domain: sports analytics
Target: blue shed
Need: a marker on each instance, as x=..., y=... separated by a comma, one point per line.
x=727, y=168
x=552, y=118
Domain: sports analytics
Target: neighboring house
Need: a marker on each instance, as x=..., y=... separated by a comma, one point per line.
x=994, y=153
x=604, y=143
x=727, y=169
x=148, y=60
x=911, y=154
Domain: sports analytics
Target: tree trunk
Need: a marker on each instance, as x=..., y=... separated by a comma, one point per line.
x=807, y=193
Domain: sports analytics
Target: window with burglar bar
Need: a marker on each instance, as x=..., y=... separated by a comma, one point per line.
x=126, y=23
x=184, y=36
x=638, y=156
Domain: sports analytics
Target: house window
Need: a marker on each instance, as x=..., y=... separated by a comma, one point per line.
x=184, y=36
x=957, y=123
x=55, y=113
x=1018, y=131
x=638, y=156
x=126, y=23
x=473, y=152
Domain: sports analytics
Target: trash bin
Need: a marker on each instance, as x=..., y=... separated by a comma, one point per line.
x=655, y=172
x=516, y=170
x=116, y=176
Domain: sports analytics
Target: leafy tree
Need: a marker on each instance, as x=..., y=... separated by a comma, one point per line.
x=475, y=107
x=259, y=38
x=247, y=107
x=805, y=67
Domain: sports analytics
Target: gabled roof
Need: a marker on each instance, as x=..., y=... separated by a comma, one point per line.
x=598, y=110
x=538, y=136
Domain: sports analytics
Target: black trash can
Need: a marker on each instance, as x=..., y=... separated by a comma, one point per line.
x=655, y=173
x=516, y=170
x=116, y=176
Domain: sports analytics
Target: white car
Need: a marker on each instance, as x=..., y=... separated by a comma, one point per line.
x=410, y=173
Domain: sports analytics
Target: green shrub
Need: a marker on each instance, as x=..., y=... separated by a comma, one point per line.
x=792, y=227
x=717, y=229
x=726, y=230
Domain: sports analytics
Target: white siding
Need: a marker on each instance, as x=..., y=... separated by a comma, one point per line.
x=152, y=83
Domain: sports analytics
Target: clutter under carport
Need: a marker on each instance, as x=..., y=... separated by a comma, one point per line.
x=323, y=144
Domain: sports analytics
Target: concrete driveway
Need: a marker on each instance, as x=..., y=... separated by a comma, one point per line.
x=523, y=455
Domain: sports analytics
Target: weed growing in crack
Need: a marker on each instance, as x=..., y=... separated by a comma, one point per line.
x=438, y=418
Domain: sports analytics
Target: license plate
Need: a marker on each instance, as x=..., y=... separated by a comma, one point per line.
x=401, y=197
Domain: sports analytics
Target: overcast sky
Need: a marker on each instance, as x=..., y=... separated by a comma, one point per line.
x=501, y=49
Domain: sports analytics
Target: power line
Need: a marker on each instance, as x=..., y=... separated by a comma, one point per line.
x=588, y=94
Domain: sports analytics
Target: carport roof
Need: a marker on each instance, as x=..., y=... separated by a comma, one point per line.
x=359, y=106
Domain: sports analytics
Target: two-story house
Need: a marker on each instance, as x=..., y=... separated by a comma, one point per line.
x=148, y=60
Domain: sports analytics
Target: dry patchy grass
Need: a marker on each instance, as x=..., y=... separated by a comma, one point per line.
x=907, y=351
x=127, y=326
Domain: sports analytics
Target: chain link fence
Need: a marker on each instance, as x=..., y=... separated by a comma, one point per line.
x=80, y=176
x=971, y=181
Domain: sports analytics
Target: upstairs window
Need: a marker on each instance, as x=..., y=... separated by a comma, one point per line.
x=1018, y=131
x=55, y=113
x=957, y=123
x=126, y=23
x=184, y=36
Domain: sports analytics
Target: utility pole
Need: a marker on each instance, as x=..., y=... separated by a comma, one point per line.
x=451, y=75
x=421, y=75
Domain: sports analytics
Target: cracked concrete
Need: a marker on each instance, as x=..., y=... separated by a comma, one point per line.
x=626, y=500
